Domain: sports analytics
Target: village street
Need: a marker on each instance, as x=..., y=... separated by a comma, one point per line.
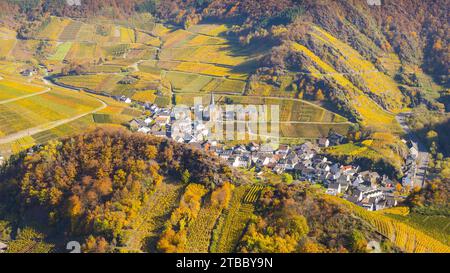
x=423, y=155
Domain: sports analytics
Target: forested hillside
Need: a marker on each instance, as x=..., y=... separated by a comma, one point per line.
x=117, y=191
x=96, y=183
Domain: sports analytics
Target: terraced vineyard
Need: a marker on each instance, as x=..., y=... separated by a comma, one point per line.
x=253, y=194
x=200, y=230
x=403, y=236
x=70, y=32
x=232, y=222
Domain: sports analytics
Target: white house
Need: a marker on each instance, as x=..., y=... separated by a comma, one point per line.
x=148, y=120
x=144, y=130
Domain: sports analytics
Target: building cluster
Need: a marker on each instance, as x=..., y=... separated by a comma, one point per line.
x=177, y=124
x=365, y=188
x=304, y=162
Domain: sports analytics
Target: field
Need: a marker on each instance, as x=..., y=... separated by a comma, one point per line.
x=437, y=226
x=70, y=32
x=98, y=82
x=144, y=234
x=7, y=46
x=232, y=222
x=42, y=109
x=13, y=89
x=200, y=230
x=61, y=52
x=31, y=114
x=52, y=28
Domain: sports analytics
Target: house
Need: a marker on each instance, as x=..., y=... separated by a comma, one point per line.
x=369, y=203
x=357, y=181
x=291, y=161
x=135, y=124
x=162, y=120
x=148, y=120
x=335, y=169
x=413, y=152
x=239, y=162
x=159, y=133
x=334, y=189
x=266, y=148
x=279, y=168
x=323, y=166
x=254, y=147
x=228, y=115
x=196, y=145
x=358, y=194
x=283, y=149
x=28, y=72
x=376, y=193
x=324, y=142
x=407, y=181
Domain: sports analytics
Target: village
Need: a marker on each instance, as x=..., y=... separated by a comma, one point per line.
x=304, y=162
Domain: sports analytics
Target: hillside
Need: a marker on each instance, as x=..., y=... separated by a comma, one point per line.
x=74, y=78
x=148, y=194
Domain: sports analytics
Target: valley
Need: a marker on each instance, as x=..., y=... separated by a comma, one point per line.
x=90, y=100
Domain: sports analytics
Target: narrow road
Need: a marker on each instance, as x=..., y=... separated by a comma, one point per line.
x=423, y=157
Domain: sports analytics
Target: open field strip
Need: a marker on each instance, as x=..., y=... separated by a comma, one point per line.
x=52, y=28
x=7, y=46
